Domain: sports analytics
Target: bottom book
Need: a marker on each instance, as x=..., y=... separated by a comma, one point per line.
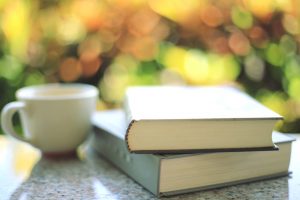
x=165, y=175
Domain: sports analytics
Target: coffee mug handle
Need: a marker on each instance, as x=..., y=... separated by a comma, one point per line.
x=6, y=119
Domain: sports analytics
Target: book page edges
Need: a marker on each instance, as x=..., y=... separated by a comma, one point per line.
x=272, y=176
x=127, y=135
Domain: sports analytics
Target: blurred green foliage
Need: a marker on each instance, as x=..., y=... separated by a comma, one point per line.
x=116, y=43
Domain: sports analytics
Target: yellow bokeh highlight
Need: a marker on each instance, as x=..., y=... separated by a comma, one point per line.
x=199, y=67
x=117, y=77
x=294, y=88
x=70, y=30
x=20, y=158
x=175, y=59
x=113, y=85
x=128, y=4
x=2, y=4
x=25, y=158
x=223, y=68
x=89, y=12
x=196, y=67
x=124, y=64
x=176, y=10
x=274, y=101
x=260, y=8
x=15, y=26
x=285, y=5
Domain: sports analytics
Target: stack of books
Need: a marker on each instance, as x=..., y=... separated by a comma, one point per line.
x=176, y=139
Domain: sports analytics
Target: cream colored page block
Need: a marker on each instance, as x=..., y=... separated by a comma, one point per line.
x=216, y=168
x=214, y=134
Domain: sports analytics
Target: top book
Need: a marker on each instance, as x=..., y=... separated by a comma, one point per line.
x=191, y=119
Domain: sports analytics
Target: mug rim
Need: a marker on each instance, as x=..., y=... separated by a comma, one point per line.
x=84, y=91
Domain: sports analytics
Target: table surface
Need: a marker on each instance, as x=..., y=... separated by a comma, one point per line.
x=25, y=174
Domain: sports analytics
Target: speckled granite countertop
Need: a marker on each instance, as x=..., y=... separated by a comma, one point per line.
x=25, y=175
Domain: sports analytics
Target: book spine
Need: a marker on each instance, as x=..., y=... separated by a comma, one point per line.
x=143, y=168
x=129, y=119
x=127, y=109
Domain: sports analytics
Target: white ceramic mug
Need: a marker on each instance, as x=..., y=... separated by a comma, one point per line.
x=55, y=117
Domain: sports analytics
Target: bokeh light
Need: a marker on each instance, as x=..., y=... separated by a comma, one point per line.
x=212, y=16
x=241, y=17
x=254, y=68
x=70, y=69
x=239, y=43
x=113, y=44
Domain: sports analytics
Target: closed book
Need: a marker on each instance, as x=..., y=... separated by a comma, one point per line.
x=164, y=119
x=169, y=174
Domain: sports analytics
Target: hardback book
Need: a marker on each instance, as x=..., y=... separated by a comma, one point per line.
x=165, y=119
x=170, y=174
